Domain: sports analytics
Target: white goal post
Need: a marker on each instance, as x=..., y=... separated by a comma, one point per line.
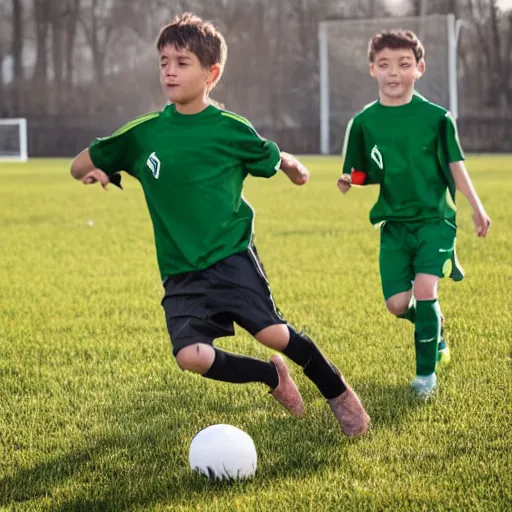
x=345, y=84
x=13, y=140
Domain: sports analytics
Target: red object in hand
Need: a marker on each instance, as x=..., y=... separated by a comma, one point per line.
x=358, y=177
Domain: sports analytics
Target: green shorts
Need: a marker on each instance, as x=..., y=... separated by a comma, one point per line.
x=407, y=249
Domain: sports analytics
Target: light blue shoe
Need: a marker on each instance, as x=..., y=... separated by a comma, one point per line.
x=424, y=385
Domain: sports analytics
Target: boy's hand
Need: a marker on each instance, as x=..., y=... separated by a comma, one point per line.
x=96, y=176
x=344, y=183
x=482, y=221
x=297, y=172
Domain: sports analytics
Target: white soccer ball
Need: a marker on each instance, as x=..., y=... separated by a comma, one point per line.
x=223, y=451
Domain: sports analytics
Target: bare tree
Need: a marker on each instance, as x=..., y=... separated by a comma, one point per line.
x=17, y=40
x=71, y=15
x=2, y=84
x=508, y=60
x=495, y=45
x=501, y=61
x=96, y=58
x=56, y=21
x=42, y=9
x=98, y=27
x=17, y=52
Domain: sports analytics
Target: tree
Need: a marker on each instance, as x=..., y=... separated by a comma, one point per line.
x=98, y=26
x=71, y=15
x=17, y=40
x=495, y=43
x=17, y=53
x=42, y=10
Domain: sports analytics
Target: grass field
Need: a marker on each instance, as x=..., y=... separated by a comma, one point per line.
x=96, y=415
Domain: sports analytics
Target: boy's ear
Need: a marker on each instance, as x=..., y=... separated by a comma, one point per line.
x=372, y=73
x=421, y=67
x=213, y=75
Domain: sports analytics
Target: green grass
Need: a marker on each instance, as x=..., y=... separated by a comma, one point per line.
x=96, y=415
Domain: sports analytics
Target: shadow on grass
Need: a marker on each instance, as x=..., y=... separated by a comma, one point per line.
x=388, y=404
x=147, y=466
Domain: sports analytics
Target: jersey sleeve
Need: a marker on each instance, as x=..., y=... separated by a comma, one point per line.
x=353, y=152
x=113, y=154
x=260, y=157
x=451, y=140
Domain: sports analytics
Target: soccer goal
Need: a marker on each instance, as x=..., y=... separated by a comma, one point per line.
x=13, y=140
x=345, y=84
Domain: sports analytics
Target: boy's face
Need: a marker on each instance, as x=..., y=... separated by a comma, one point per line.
x=396, y=71
x=182, y=76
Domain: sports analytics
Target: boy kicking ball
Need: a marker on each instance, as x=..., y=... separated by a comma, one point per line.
x=191, y=160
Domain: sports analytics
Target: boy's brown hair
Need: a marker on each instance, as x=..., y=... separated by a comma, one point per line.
x=190, y=32
x=396, y=40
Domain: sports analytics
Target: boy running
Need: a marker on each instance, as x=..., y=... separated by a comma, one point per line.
x=191, y=160
x=410, y=147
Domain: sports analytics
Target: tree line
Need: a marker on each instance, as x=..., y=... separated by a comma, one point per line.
x=76, y=68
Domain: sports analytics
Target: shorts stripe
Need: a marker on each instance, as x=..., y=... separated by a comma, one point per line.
x=259, y=268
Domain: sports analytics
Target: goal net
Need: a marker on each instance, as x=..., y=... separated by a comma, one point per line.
x=13, y=140
x=345, y=84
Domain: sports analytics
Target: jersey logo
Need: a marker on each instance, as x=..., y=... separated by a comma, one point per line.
x=377, y=157
x=429, y=340
x=154, y=165
x=450, y=249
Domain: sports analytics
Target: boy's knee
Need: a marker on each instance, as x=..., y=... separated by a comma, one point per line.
x=274, y=336
x=398, y=304
x=425, y=287
x=187, y=356
x=195, y=358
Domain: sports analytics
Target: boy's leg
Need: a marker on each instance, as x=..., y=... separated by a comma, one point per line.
x=428, y=323
x=397, y=256
x=304, y=352
x=410, y=313
x=406, y=301
x=436, y=256
x=342, y=399
x=402, y=305
x=250, y=303
x=433, y=260
x=427, y=334
x=216, y=364
x=194, y=321
x=396, y=271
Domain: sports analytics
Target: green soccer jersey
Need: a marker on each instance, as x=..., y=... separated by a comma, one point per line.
x=406, y=150
x=191, y=168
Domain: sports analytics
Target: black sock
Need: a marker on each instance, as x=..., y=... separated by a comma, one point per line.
x=303, y=351
x=229, y=367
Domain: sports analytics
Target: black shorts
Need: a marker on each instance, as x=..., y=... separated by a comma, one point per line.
x=203, y=305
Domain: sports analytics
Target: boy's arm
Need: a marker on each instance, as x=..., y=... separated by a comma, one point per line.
x=82, y=165
x=455, y=156
x=353, y=149
x=294, y=169
x=465, y=186
x=263, y=158
x=83, y=169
